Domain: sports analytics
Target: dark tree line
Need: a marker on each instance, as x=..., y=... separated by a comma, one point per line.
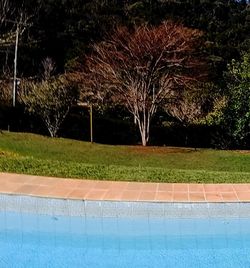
x=65, y=31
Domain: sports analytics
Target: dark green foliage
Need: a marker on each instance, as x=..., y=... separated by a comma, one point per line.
x=236, y=117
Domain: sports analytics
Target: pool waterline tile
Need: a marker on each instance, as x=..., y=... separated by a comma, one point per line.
x=122, y=191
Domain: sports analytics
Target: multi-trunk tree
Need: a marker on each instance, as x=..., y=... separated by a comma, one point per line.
x=144, y=68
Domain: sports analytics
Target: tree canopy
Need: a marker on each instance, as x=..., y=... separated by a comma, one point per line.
x=144, y=68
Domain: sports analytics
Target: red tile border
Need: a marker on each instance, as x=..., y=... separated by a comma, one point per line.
x=197, y=197
x=180, y=196
x=130, y=195
x=165, y=187
x=213, y=197
x=147, y=196
x=95, y=194
x=164, y=196
x=229, y=197
x=196, y=188
x=113, y=195
x=180, y=187
x=122, y=191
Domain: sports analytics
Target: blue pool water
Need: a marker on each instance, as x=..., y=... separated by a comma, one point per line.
x=39, y=240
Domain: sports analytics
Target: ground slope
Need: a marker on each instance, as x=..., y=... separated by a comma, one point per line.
x=39, y=155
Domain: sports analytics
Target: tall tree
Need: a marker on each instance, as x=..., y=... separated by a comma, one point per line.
x=144, y=68
x=236, y=117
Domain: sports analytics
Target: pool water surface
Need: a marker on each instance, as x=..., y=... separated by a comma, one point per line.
x=29, y=239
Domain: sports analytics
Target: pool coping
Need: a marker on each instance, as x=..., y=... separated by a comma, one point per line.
x=79, y=189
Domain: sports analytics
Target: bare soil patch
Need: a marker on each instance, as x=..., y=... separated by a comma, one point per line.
x=159, y=150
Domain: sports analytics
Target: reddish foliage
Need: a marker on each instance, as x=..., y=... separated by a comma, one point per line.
x=144, y=68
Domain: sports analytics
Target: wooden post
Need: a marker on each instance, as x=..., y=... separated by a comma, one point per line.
x=91, y=122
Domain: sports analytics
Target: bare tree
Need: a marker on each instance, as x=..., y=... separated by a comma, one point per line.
x=9, y=27
x=49, y=67
x=143, y=69
x=4, y=10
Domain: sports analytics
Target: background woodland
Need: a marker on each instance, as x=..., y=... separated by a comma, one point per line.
x=158, y=72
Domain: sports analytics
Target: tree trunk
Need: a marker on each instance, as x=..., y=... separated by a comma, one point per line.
x=144, y=131
x=52, y=128
x=143, y=138
x=52, y=133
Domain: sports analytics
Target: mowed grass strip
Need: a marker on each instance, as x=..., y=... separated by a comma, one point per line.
x=38, y=155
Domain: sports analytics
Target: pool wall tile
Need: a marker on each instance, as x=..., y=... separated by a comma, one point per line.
x=112, y=209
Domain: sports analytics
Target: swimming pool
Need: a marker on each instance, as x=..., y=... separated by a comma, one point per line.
x=39, y=232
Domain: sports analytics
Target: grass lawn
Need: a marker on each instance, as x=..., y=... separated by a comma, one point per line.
x=38, y=155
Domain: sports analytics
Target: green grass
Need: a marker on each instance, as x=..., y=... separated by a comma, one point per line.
x=38, y=155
